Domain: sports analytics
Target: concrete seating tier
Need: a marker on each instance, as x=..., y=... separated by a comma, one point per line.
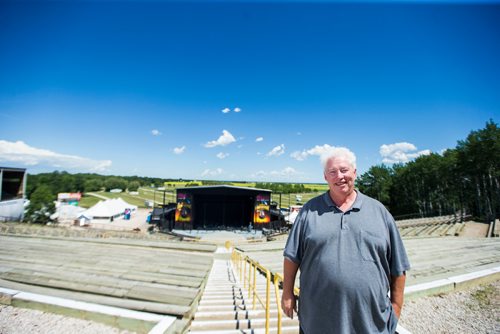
x=430, y=258
x=160, y=277
x=78, y=232
x=432, y=226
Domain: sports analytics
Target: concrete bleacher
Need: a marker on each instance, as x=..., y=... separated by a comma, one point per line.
x=164, y=278
x=431, y=258
x=440, y=226
x=78, y=232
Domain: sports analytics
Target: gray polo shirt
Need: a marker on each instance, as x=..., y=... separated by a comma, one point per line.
x=345, y=261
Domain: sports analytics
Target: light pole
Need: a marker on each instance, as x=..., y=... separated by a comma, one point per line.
x=154, y=198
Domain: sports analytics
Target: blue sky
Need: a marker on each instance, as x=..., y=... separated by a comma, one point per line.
x=241, y=90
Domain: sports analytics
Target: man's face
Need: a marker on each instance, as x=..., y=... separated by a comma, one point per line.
x=340, y=175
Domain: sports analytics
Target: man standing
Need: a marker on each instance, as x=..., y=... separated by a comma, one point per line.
x=350, y=255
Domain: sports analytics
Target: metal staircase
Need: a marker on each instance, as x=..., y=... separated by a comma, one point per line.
x=226, y=307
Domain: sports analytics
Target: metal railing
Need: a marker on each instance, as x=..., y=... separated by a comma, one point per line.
x=247, y=269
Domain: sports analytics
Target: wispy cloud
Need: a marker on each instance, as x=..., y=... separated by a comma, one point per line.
x=225, y=139
x=155, y=132
x=277, y=151
x=258, y=139
x=212, y=172
x=227, y=110
x=400, y=152
x=222, y=155
x=285, y=174
x=23, y=154
x=316, y=150
x=179, y=150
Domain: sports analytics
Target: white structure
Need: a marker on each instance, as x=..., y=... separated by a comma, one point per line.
x=110, y=210
x=294, y=212
x=66, y=214
x=12, y=193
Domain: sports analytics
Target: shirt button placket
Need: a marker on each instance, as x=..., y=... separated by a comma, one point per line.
x=343, y=220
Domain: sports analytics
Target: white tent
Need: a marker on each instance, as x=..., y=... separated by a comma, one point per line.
x=66, y=214
x=109, y=209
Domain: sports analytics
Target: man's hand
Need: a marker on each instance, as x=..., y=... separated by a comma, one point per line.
x=288, y=304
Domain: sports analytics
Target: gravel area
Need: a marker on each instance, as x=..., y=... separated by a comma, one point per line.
x=476, y=310
x=24, y=321
x=470, y=311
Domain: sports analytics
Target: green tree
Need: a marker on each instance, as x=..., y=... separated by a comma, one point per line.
x=133, y=186
x=114, y=182
x=377, y=183
x=478, y=159
x=93, y=185
x=41, y=205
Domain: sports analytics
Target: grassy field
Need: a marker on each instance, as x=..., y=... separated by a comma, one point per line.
x=87, y=201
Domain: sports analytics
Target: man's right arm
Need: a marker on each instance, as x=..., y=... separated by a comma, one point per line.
x=288, y=299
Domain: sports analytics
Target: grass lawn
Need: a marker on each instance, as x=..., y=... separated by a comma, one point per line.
x=88, y=201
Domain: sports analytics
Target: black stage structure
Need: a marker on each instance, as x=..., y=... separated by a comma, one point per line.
x=224, y=207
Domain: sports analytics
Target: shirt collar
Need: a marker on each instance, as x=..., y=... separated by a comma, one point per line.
x=356, y=206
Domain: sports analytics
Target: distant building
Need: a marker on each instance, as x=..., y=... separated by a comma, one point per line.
x=69, y=198
x=12, y=193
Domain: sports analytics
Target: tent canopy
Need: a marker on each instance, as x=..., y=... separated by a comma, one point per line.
x=109, y=208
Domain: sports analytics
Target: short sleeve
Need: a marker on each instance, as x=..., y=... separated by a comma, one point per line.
x=398, y=261
x=294, y=245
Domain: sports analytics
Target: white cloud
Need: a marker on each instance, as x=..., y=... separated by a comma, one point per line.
x=225, y=139
x=155, y=132
x=179, y=150
x=214, y=172
x=226, y=110
x=21, y=153
x=284, y=174
x=287, y=172
x=400, y=152
x=221, y=155
x=277, y=151
x=237, y=109
x=299, y=133
x=316, y=150
x=258, y=139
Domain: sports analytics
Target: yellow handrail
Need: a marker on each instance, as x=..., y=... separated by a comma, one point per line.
x=249, y=281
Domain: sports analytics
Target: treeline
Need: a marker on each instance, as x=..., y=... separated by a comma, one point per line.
x=284, y=188
x=61, y=182
x=465, y=179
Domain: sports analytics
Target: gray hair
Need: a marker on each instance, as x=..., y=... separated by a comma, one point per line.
x=338, y=152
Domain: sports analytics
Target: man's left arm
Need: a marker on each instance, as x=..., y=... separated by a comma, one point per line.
x=397, y=292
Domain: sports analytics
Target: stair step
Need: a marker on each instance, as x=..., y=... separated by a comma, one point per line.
x=223, y=301
x=284, y=330
x=233, y=314
x=240, y=324
x=220, y=308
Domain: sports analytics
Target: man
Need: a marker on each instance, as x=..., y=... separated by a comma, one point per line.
x=350, y=255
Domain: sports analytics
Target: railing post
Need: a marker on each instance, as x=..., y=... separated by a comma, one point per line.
x=278, y=306
x=250, y=267
x=268, y=299
x=254, y=285
x=241, y=266
x=245, y=274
